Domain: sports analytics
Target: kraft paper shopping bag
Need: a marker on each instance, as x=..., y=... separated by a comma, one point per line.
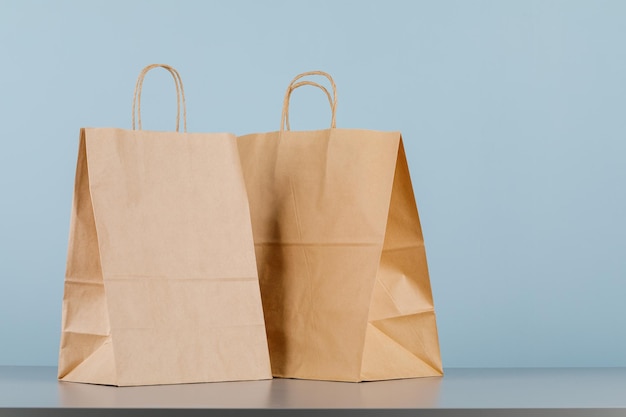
x=342, y=265
x=161, y=284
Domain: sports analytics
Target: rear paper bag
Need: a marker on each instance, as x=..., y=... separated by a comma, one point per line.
x=341, y=258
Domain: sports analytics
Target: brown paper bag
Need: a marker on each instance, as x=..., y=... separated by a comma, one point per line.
x=161, y=284
x=342, y=266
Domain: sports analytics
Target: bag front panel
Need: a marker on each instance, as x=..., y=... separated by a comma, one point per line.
x=319, y=203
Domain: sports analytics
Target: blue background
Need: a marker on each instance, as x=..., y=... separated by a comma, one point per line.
x=513, y=115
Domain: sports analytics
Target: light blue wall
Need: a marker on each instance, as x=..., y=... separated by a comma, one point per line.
x=513, y=115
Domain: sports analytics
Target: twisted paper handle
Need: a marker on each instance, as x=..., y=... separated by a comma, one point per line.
x=284, y=121
x=298, y=85
x=180, y=95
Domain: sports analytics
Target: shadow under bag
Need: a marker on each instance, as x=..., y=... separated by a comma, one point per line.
x=341, y=258
x=161, y=284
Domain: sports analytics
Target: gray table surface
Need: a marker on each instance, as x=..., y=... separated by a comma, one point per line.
x=31, y=388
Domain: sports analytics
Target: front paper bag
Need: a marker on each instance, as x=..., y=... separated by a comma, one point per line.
x=342, y=266
x=161, y=284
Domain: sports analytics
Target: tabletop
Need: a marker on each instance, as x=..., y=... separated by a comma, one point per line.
x=31, y=391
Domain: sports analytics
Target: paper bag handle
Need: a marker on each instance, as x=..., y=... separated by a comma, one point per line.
x=298, y=85
x=180, y=95
x=284, y=121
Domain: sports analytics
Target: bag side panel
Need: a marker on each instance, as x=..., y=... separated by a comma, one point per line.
x=401, y=339
x=86, y=351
